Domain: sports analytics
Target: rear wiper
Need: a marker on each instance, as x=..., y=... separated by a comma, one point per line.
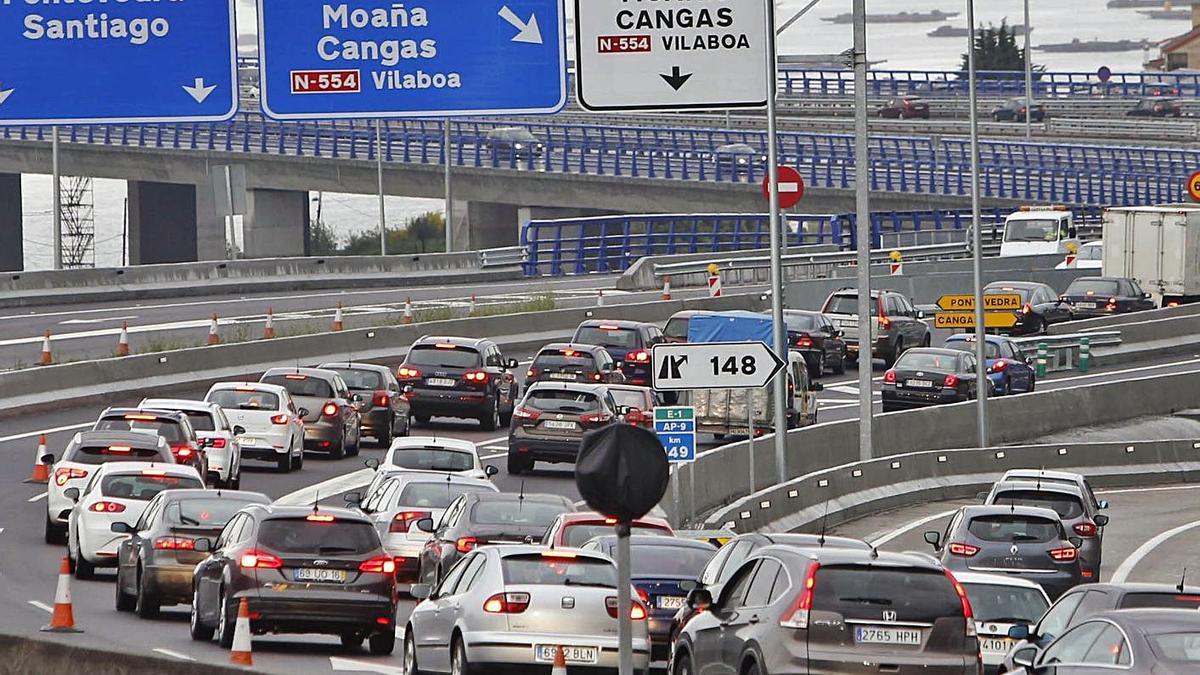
x=335, y=549
x=1007, y=619
x=444, y=468
x=867, y=601
x=1025, y=537
x=595, y=584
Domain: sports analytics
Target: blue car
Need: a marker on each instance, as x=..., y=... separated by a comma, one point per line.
x=1009, y=371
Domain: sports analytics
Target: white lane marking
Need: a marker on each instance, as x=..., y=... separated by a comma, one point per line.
x=496, y=456
x=42, y=606
x=1144, y=550
x=327, y=488
x=1107, y=373
x=491, y=441
x=37, y=497
x=174, y=655
x=70, y=322
x=904, y=529
x=1, y=530
x=845, y=389
x=32, y=434
x=341, y=663
x=1151, y=489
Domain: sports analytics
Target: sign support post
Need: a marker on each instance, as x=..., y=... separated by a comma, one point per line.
x=976, y=236
x=862, y=205
x=379, y=177
x=448, y=188
x=750, y=435
x=56, y=195
x=624, y=601
x=780, y=331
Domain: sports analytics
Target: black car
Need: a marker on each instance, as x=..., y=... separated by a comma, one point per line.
x=570, y=362
x=1015, y=109
x=154, y=565
x=459, y=377
x=1040, y=306
x=384, y=407
x=813, y=335
x=738, y=159
x=174, y=426
x=1102, y=296
x=1157, y=106
x=1129, y=641
x=477, y=519
x=930, y=376
x=302, y=570
x=513, y=144
x=627, y=342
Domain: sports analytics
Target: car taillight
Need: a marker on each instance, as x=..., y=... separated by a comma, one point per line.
x=532, y=372
x=465, y=544
x=999, y=366
x=406, y=373
x=951, y=381
x=890, y=377
x=506, y=603
x=595, y=418
x=217, y=443
x=526, y=414
x=260, y=560
x=1085, y=529
x=477, y=376
x=885, y=323
x=968, y=613
x=597, y=377
x=1064, y=554
x=175, y=544
x=796, y=616
x=1026, y=309
x=182, y=451
x=404, y=520
x=804, y=341
x=106, y=507
x=635, y=417
x=382, y=564
x=1112, y=304
x=330, y=410
x=61, y=476
x=964, y=550
x=643, y=595
x=381, y=398
x=638, y=356
x=281, y=418
x=637, y=610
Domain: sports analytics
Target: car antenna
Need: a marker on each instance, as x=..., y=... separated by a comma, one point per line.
x=316, y=500
x=521, y=496
x=824, y=522
x=874, y=553
x=1182, y=579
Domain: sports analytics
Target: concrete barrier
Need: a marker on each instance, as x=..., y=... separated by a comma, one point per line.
x=640, y=275
x=31, y=655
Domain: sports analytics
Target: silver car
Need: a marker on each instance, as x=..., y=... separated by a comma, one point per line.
x=212, y=427
x=1077, y=510
x=517, y=606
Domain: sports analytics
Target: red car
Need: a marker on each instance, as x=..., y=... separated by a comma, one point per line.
x=905, y=108
x=575, y=528
x=639, y=400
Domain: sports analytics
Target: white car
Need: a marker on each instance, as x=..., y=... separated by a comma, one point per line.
x=1089, y=257
x=436, y=453
x=214, y=429
x=118, y=491
x=1000, y=602
x=86, y=452
x=405, y=497
x=273, y=425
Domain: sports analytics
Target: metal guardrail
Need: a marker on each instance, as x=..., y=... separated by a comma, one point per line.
x=1063, y=350
x=838, y=258
x=508, y=256
x=1062, y=84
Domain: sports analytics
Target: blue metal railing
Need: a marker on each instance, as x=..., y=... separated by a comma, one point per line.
x=1068, y=84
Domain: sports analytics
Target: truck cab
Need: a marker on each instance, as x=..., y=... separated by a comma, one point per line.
x=1039, y=230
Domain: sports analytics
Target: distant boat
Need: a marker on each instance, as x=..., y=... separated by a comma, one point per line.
x=900, y=17
x=1127, y=4
x=1078, y=45
x=960, y=31
x=1185, y=13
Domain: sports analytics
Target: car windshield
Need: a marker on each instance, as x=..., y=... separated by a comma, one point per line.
x=1135, y=600
x=946, y=363
x=433, y=459
x=677, y=328
x=1065, y=505
x=436, y=495
x=607, y=336
x=301, y=385
x=862, y=592
x=1039, y=229
x=574, y=362
x=1006, y=604
x=1014, y=528
x=671, y=561
x=796, y=321
x=848, y=304
x=1177, y=646
x=143, y=487
x=360, y=379
x=449, y=356
x=1092, y=287
x=201, y=421
x=103, y=454
x=319, y=537
x=631, y=398
x=523, y=512
x=203, y=512
x=578, y=534
x=991, y=349
x=168, y=429
x=232, y=399
x=559, y=400
x=558, y=570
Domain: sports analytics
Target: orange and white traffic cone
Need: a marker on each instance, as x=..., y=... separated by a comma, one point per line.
x=666, y=288
x=41, y=472
x=338, y=325
x=560, y=662
x=214, y=338
x=600, y=298
x=62, y=620
x=240, y=654
x=408, y=313
x=123, y=340
x=269, y=328
x=47, y=356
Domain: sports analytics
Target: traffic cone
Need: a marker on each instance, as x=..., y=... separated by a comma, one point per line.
x=474, y=305
x=240, y=654
x=600, y=298
x=560, y=662
x=666, y=288
x=47, y=357
x=408, y=313
x=41, y=472
x=123, y=340
x=214, y=338
x=62, y=620
x=269, y=328
x=337, y=319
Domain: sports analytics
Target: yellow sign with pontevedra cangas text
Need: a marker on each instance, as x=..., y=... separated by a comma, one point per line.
x=992, y=302
x=967, y=320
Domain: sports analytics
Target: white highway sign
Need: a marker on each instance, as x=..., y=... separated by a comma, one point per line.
x=643, y=55
x=713, y=365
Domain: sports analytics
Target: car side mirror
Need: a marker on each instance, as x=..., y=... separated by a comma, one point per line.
x=121, y=528
x=1077, y=542
x=303, y=412
x=934, y=539
x=1024, y=657
x=1019, y=632
x=425, y=525
x=238, y=430
x=490, y=470
x=47, y=459
x=511, y=363
x=1101, y=520
x=700, y=599
x=353, y=498
x=420, y=591
x=202, y=545
x=1146, y=296
x=1104, y=503
x=816, y=386
x=71, y=493
x=356, y=398
x=371, y=463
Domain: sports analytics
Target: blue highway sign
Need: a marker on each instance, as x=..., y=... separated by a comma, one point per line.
x=676, y=429
x=115, y=61
x=323, y=59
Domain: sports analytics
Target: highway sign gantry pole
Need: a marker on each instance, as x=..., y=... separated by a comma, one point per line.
x=981, y=389
x=379, y=179
x=862, y=207
x=1028, y=79
x=56, y=196
x=448, y=187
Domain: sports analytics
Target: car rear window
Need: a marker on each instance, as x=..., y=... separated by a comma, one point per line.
x=857, y=592
x=433, y=459
x=200, y=420
x=244, y=400
x=576, y=362
x=1183, y=647
x=1006, y=604
x=447, y=357
x=102, y=454
x=668, y=561
x=203, y=512
x=798, y=322
x=167, y=429
x=360, y=379
x=1065, y=505
x=631, y=398
x=436, y=495
x=847, y=304
x=302, y=385
x=1009, y=290
x=535, y=568
x=143, y=487
x=516, y=512
x=991, y=349
x=298, y=535
x=626, y=338
x=576, y=535
x=677, y=329
x=1093, y=286
x=562, y=400
x=1169, y=600
x=1014, y=528
x=945, y=363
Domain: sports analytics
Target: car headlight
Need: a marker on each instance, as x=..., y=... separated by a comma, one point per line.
x=517, y=146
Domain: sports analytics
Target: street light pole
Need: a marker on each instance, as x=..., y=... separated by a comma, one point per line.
x=862, y=204
x=779, y=330
x=448, y=190
x=379, y=178
x=981, y=378
x=1028, y=80
x=56, y=195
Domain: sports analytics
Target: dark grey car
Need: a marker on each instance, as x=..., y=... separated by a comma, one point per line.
x=830, y=610
x=384, y=405
x=1078, y=513
x=894, y=325
x=1023, y=541
x=1130, y=641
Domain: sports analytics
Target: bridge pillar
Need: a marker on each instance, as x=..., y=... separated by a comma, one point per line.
x=163, y=222
x=12, y=253
x=276, y=224
x=492, y=225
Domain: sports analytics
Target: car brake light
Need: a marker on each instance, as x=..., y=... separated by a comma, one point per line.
x=999, y=366
x=478, y=376
x=1112, y=304
x=796, y=616
x=526, y=414
x=175, y=544
x=381, y=564
x=964, y=550
x=890, y=377
x=595, y=418
x=404, y=520
x=142, y=418
x=406, y=373
x=968, y=613
x=596, y=377
x=608, y=326
x=61, y=476
x=330, y=410
x=122, y=449
x=182, y=451
x=635, y=417
x=506, y=603
x=153, y=472
x=296, y=377
x=1026, y=309
x=559, y=554
x=532, y=372
x=319, y=518
x=217, y=443
x=884, y=323
x=804, y=341
x=638, y=356
x=951, y=381
x=643, y=595
x=1067, y=554
x=260, y=560
x=380, y=398
x=637, y=611
x=446, y=345
x=1085, y=529
x=569, y=352
x=465, y=544
x=106, y=507
x=281, y=418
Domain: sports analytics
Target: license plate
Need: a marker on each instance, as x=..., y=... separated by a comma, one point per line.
x=887, y=636
x=671, y=602
x=995, y=645
x=546, y=653
x=556, y=424
x=439, y=382
x=248, y=441
x=920, y=384
x=563, y=376
x=317, y=574
x=1086, y=305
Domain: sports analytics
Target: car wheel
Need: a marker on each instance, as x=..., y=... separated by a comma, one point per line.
x=382, y=644
x=147, y=602
x=124, y=601
x=283, y=463
x=422, y=420
x=298, y=461
x=891, y=359
x=683, y=665
x=226, y=622
x=339, y=452
x=84, y=570
x=839, y=365
x=458, y=658
x=490, y=421
x=506, y=417
x=408, y=424
x=817, y=369
x=1040, y=329
x=236, y=482
x=751, y=669
x=351, y=640
x=55, y=533
x=198, y=629
x=352, y=450
x=1032, y=383
x=518, y=465
x=409, y=666
x=384, y=438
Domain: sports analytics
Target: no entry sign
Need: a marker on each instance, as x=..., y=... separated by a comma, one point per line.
x=791, y=187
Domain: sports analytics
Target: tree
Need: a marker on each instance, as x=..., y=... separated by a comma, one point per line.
x=322, y=239
x=422, y=234
x=996, y=50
